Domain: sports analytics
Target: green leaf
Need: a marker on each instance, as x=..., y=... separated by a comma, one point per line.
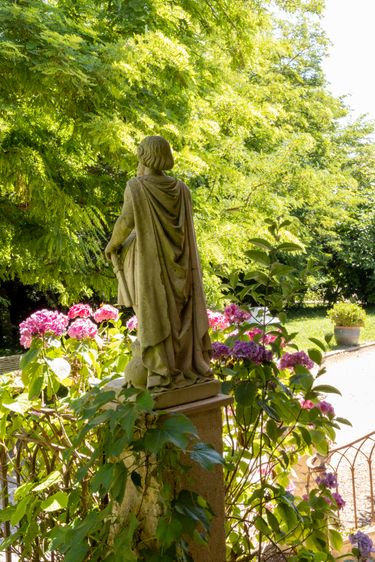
x=261, y=525
x=326, y=388
x=55, y=502
x=168, y=531
x=60, y=367
x=205, y=455
x=269, y=410
x=344, y=421
x=36, y=385
x=261, y=243
x=315, y=355
x=319, y=343
x=145, y=401
x=272, y=521
x=103, y=478
x=50, y=480
x=20, y=405
x=259, y=257
x=245, y=393
x=289, y=247
x=336, y=539
x=29, y=357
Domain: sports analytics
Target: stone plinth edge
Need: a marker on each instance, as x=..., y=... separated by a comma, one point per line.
x=199, y=406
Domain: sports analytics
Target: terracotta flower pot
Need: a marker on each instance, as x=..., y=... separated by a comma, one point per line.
x=347, y=335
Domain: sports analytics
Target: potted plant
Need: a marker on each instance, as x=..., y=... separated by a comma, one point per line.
x=348, y=318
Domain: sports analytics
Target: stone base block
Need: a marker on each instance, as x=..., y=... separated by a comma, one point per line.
x=206, y=415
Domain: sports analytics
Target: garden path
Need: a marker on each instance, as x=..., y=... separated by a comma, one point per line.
x=353, y=373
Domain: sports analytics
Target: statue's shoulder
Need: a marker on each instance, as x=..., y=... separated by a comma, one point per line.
x=132, y=183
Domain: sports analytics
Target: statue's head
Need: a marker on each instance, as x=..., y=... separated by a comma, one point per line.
x=155, y=152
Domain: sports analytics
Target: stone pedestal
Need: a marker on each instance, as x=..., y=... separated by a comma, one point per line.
x=202, y=404
x=206, y=415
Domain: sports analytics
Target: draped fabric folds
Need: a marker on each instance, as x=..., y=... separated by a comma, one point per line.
x=162, y=281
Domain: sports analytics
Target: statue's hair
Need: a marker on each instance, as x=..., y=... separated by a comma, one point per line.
x=155, y=152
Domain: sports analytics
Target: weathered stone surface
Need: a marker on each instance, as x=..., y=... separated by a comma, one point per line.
x=155, y=258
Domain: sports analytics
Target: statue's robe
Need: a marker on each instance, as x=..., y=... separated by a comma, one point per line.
x=162, y=281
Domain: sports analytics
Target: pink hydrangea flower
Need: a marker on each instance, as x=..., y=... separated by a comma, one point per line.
x=79, y=310
x=235, y=315
x=307, y=404
x=106, y=312
x=326, y=408
x=217, y=320
x=82, y=328
x=266, y=339
x=132, y=323
x=49, y=322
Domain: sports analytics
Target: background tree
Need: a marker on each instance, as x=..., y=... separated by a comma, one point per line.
x=236, y=87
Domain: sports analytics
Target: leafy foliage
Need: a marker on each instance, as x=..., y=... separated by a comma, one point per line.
x=279, y=414
x=235, y=86
x=74, y=453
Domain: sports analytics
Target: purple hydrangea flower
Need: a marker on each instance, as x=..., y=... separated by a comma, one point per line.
x=250, y=350
x=362, y=542
x=326, y=408
x=327, y=479
x=220, y=350
x=290, y=360
x=340, y=502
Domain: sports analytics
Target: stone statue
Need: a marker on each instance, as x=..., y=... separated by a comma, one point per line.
x=154, y=252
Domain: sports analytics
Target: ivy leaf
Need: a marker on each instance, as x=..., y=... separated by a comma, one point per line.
x=205, y=455
x=168, y=531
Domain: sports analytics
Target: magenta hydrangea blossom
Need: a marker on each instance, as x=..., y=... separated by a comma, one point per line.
x=220, y=351
x=235, y=315
x=326, y=408
x=79, y=310
x=40, y=323
x=106, y=312
x=217, y=320
x=82, y=328
x=362, y=542
x=132, y=323
x=290, y=360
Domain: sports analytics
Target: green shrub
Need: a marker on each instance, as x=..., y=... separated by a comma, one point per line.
x=347, y=314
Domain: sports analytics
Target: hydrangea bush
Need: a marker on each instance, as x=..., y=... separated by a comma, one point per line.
x=280, y=413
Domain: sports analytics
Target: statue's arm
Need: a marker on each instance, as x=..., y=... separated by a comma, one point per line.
x=123, y=226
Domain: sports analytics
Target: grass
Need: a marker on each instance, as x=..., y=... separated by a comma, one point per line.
x=313, y=323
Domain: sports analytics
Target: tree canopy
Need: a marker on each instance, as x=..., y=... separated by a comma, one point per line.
x=237, y=88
